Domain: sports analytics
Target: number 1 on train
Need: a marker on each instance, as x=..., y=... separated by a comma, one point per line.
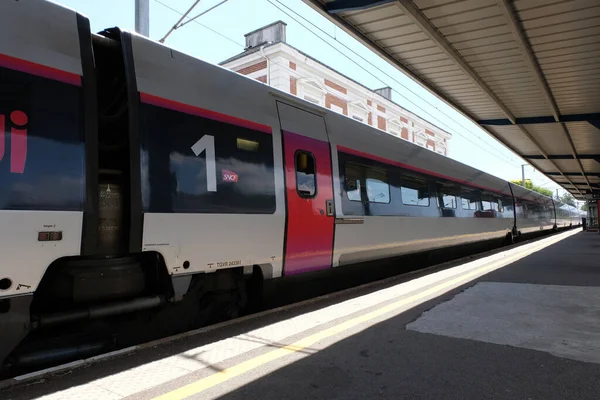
x=207, y=144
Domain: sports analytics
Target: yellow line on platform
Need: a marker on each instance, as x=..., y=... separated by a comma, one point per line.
x=249, y=365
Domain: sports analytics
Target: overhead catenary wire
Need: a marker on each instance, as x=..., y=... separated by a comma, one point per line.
x=185, y=14
x=490, y=150
x=199, y=23
x=374, y=66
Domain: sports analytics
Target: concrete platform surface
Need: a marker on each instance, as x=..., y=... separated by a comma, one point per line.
x=468, y=337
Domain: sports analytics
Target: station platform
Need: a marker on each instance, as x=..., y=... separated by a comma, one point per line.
x=521, y=322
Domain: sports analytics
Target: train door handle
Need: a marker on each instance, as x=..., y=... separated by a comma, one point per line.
x=329, y=207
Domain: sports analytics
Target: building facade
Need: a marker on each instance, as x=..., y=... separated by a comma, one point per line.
x=269, y=59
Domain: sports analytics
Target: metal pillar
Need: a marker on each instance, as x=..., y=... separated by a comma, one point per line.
x=142, y=17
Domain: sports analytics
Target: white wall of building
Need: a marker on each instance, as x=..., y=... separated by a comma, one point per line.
x=320, y=84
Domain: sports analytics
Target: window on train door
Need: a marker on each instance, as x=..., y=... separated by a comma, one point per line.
x=306, y=179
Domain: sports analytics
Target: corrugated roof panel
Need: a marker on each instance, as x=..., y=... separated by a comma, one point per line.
x=373, y=15
x=565, y=36
x=424, y=4
x=550, y=137
x=571, y=74
x=565, y=28
x=553, y=71
x=417, y=52
x=515, y=88
x=429, y=59
x=543, y=165
x=483, y=41
x=444, y=68
x=449, y=78
x=520, y=71
x=501, y=67
x=475, y=104
x=572, y=81
x=565, y=43
x=525, y=111
x=458, y=7
x=591, y=166
x=558, y=19
x=462, y=88
x=467, y=16
x=592, y=59
x=407, y=38
x=558, y=8
x=586, y=138
x=582, y=105
x=473, y=26
x=593, y=51
x=568, y=166
x=499, y=55
x=396, y=38
x=427, y=65
x=512, y=134
x=574, y=108
x=492, y=48
x=498, y=62
x=573, y=51
x=489, y=31
x=521, y=5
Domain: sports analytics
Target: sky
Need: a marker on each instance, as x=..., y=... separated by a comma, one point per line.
x=219, y=34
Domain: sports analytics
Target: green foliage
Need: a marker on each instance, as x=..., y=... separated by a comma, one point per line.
x=568, y=199
x=529, y=185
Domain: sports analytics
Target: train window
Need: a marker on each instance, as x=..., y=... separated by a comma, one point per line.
x=447, y=195
x=448, y=201
x=507, y=204
x=414, y=191
x=470, y=200
x=489, y=204
x=353, y=177
x=378, y=190
x=306, y=180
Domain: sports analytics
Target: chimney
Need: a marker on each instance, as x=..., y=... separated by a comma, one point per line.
x=385, y=92
x=274, y=33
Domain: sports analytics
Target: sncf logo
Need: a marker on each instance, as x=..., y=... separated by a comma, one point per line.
x=17, y=129
x=229, y=176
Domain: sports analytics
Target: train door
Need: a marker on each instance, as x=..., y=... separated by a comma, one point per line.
x=309, y=191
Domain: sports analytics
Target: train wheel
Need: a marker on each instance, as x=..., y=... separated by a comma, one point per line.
x=510, y=239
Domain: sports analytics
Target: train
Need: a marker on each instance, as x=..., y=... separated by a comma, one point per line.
x=145, y=192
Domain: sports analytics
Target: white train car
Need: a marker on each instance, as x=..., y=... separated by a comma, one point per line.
x=143, y=191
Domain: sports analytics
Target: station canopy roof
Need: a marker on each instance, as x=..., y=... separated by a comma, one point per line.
x=526, y=71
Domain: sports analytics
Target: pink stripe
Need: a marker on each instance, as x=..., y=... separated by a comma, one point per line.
x=201, y=112
x=39, y=70
x=416, y=169
x=18, y=150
